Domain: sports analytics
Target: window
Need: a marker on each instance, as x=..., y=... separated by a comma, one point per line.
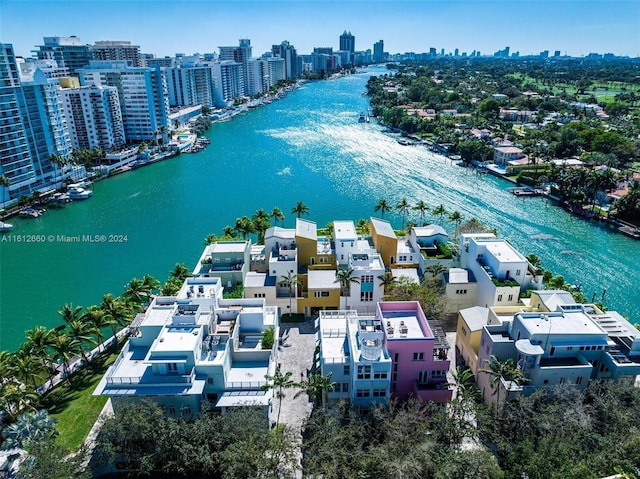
x=418, y=356
x=366, y=295
x=172, y=410
x=364, y=372
x=324, y=259
x=321, y=294
x=209, y=380
x=379, y=375
x=259, y=295
x=464, y=331
x=561, y=381
x=553, y=351
x=499, y=298
x=363, y=393
x=345, y=387
x=461, y=291
x=346, y=370
x=186, y=410
x=379, y=393
x=172, y=368
x=517, y=272
x=510, y=298
x=423, y=377
x=337, y=388
x=579, y=380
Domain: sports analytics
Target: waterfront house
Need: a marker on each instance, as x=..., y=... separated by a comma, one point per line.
x=505, y=155
x=395, y=353
x=195, y=347
x=567, y=345
x=227, y=260
x=426, y=240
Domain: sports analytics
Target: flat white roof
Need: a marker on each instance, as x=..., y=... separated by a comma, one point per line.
x=411, y=273
x=344, y=231
x=400, y=319
x=323, y=279
x=254, y=280
x=175, y=339
x=569, y=323
x=278, y=232
x=458, y=276
x=228, y=247
x=244, y=398
x=503, y=251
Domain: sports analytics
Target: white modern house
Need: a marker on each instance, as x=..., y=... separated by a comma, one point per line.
x=353, y=352
x=195, y=347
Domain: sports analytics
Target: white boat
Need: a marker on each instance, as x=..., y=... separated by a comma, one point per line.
x=78, y=193
x=59, y=200
x=30, y=213
x=4, y=227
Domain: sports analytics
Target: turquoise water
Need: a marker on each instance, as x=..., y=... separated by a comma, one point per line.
x=308, y=146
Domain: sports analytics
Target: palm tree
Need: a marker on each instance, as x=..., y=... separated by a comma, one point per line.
x=245, y=226
x=300, y=209
x=362, y=228
x=277, y=214
x=39, y=341
x=63, y=348
x=26, y=367
x=434, y=269
x=149, y=286
x=345, y=277
x=115, y=312
x=210, y=239
x=422, y=208
x=403, y=208
x=279, y=381
x=506, y=370
x=317, y=387
x=80, y=330
x=98, y=320
x=60, y=161
x=457, y=218
x=382, y=206
x=387, y=279
x=439, y=211
x=261, y=223
x=134, y=291
x=180, y=272
x=228, y=232
x=290, y=280
x=4, y=183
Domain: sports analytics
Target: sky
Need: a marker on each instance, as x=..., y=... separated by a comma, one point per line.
x=166, y=27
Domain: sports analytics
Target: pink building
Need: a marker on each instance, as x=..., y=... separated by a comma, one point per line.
x=418, y=352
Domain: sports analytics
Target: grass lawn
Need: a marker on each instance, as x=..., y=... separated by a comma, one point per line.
x=76, y=409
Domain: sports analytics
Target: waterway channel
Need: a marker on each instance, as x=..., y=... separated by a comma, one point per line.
x=306, y=147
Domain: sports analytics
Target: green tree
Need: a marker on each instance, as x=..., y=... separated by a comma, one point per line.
x=277, y=214
x=245, y=226
x=261, y=223
x=457, y=218
x=64, y=348
x=439, y=211
x=300, y=209
x=383, y=207
x=79, y=329
x=403, y=207
x=290, y=281
x=278, y=382
x=422, y=208
x=180, y=272
x=115, y=312
x=317, y=387
x=345, y=277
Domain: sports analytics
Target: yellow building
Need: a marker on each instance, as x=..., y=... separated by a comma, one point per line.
x=468, y=333
x=384, y=240
x=322, y=292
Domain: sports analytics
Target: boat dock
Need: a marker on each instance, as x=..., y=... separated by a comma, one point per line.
x=526, y=191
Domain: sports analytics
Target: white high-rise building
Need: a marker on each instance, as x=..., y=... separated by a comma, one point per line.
x=191, y=84
x=47, y=129
x=93, y=116
x=16, y=163
x=144, y=100
x=229, y=84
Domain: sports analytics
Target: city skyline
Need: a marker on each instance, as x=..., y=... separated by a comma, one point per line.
x=573, y=27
